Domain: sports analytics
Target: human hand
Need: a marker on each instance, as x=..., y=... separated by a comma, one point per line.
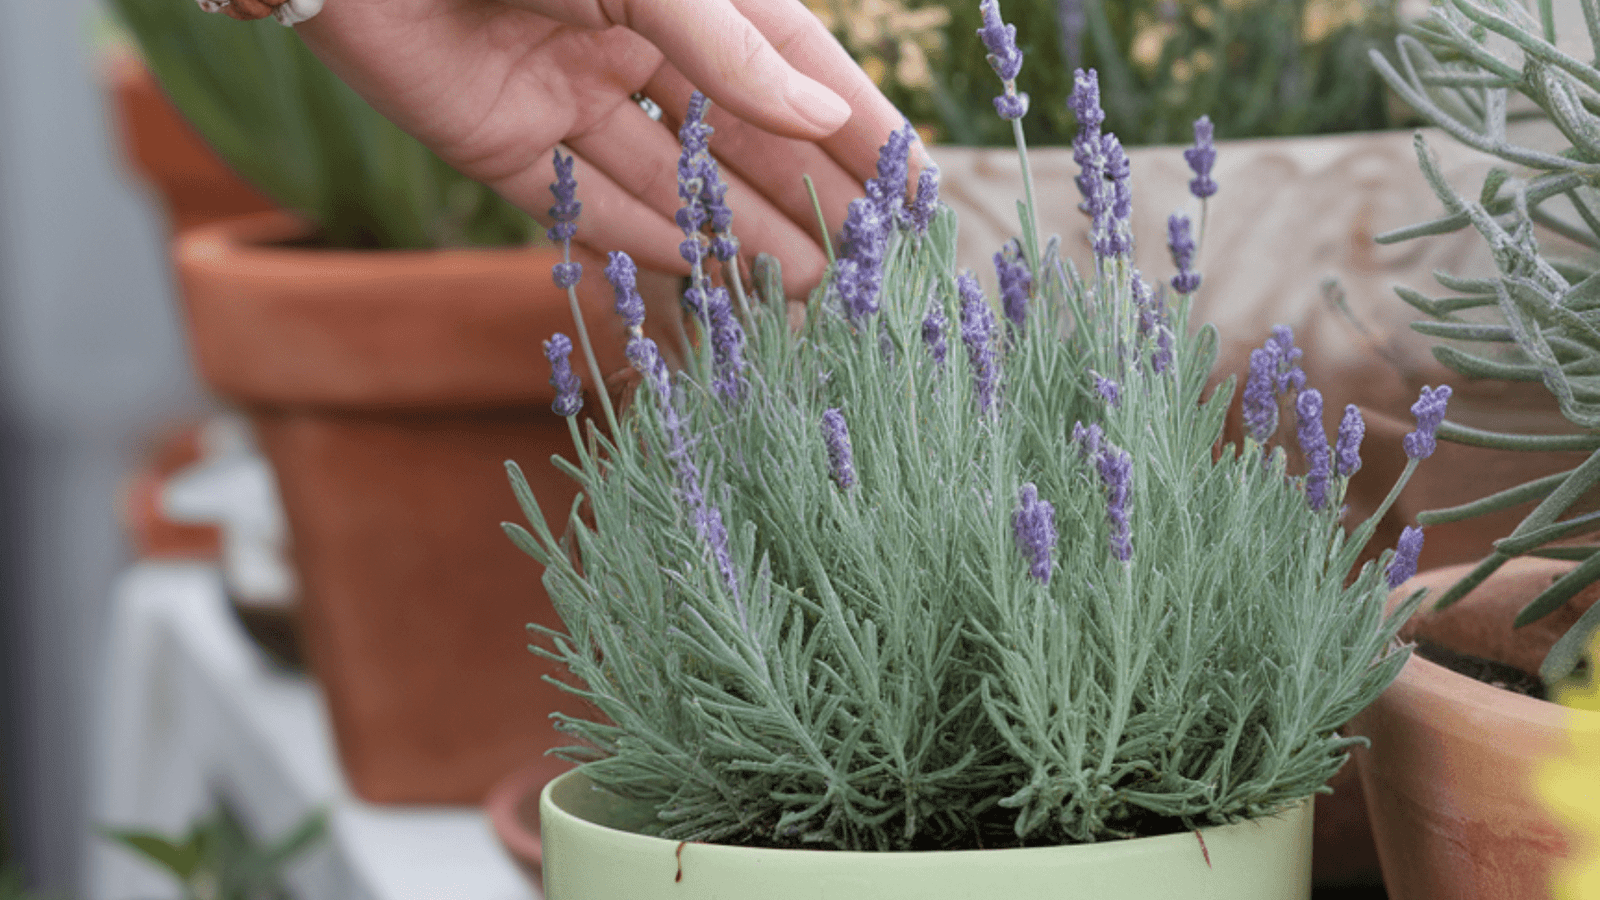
x=493, y=85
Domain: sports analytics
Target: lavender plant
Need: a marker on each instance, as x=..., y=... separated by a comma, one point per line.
x=1536, y=320
x=927, y=580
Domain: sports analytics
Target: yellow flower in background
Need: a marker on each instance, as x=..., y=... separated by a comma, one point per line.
x=1570, y=785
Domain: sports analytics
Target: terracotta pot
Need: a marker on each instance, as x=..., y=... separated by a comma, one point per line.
x=164, y=151
x=513, y=810
x=150, y=532
x=1449, y=778
x=387, y=389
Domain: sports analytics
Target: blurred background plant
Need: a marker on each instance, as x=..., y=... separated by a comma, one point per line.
x=219, y=860
x=286, y=124
x=1258, y=67
x=1538, y=320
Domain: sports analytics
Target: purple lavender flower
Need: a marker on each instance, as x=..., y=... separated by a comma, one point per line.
x=1180, y=240
x=1347, y=448
x=1201, y=157
x=927, y=201
x=727, y=344
x=1116, y=473
x=569, y=391
x=1314, y=444
x=565, y=212
x=1404, y=563
x=1113, y=235
x=623, y=275
x=934, y=325
x=1016, y=282
x=1001, y=41
x=1087, y=149
x=1109, y=390
x=1087, y=439
x=1085, y=103
x=1289, y=374
x=1034, y=524
x=841, y=460
x=646, y=359
x=694, y=139
x=859, y=275
x=1070, y=21
x=1429, y=410
x=1011, y=106
x=977, y=332
x=888, y=190
x=1260, y=395
x=1161, y=357
x=705, y=517
x=566, y=274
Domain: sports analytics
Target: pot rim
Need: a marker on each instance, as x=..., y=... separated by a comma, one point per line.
x=550, y=810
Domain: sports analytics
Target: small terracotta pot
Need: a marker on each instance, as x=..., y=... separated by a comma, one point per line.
x=195, y=185
x=149, y=531
x=513, y=810
x=1449, y=776
x=387, y=390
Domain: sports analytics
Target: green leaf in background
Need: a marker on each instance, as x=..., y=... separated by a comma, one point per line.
x=220, y=860
x=292, y=129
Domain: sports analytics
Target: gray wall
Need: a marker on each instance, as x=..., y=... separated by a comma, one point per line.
x=91, y=361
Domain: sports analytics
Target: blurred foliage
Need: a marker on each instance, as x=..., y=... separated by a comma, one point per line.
x=219, y=860
x=1257, y=67
x=296, y=132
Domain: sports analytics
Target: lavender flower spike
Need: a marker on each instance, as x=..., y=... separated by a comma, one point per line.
x=1112, y=230
x=1347, y=448
x=1116, y=473
x=727, y=344
x=623, y=275
x=1180, y=240
x=1201, y=157
x=1034, y=524
x=926, y=202
x=1261, y=396
x=977, y=332
x=1001, y=41
x=565, y=212
x=1087, y=151
x=1404, y=563
x=1289, y=374
x=1109, y=390
x=1429, y=410
x=1314, y=444
x=933, y=329
x=841, y=460
x=1016, y=282
x=569, y=391
x=1004, y=58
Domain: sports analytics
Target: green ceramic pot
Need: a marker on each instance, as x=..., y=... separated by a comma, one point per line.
x=593, y=851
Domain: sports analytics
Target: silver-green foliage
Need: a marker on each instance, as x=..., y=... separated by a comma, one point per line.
x=1460, y=68
x=889, y=674
x=286, y=124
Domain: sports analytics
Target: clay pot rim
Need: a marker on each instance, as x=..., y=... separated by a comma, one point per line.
x=521, y=789
x=264, y=238
x=1425, y=677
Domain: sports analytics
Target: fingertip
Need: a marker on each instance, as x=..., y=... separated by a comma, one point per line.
x=820, y=107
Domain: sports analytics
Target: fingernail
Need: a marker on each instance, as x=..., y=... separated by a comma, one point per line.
x=817, y=105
